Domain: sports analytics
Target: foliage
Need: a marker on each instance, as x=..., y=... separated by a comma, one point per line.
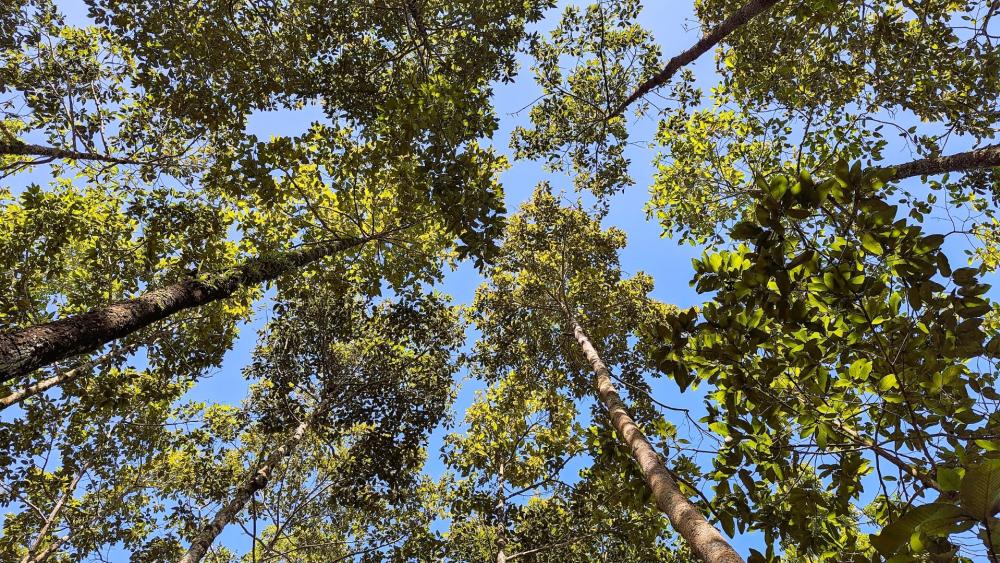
x=845, y=360
x=818, y=349
x=572, y=129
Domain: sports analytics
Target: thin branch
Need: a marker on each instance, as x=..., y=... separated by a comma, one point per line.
x=549, y=546
x=18, y=148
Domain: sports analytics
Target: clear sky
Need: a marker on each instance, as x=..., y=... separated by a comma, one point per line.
x=669, y=263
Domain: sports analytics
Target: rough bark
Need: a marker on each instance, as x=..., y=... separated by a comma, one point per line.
x=17, y=148
x=705, y=541
x=730, y=24
x=254, y=482
x=986, y=157
x=25, y=350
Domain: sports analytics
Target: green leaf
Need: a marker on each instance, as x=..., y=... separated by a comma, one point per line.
x=682, y=377
x=929, y=243
x=778, y=187
x=842, y=170
x=899, y=531
x=870, y=244
x=965, y=276
x=719, y=428
x=887, y=382
x=980, y=491
x=727, y=525
x=988, y=445
x=745, y=230
x=715, y=262
x=860, y=369
x=949, y=478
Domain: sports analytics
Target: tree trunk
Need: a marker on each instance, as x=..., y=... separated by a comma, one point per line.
x=25, y=350
x=713, y=38
x=986, y=157
x=501, y=514
x=705, y=541
x=244, y=493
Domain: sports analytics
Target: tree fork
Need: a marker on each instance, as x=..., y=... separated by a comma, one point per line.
x=25, y=350
x=706, y=541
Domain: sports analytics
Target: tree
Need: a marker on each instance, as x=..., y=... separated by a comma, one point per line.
x=802, y=89
x=580, y=121
x=845, y=159
x=821, y=351
x=556, y=272
x=792, y=103
x=514, y=498
x=329, y=220
x=443, y=168
x=170, y=197
x=337, y=418
x=373, y=380
x=78, y=472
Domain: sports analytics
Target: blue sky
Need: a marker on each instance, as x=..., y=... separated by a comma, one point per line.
x=675, y=29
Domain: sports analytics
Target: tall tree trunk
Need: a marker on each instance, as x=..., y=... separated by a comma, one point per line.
x=25, y=350
x=706, y=542
x=501, y=514
x=254, y=482
x=732, y=23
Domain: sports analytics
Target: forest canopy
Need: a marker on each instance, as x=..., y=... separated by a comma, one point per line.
x=499, y=280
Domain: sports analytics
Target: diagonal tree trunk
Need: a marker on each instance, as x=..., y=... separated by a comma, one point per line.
x=713, y=38
x=705, y=541
x=253, y=482
x=25, y=350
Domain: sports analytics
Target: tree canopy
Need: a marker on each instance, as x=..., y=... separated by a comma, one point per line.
x=224, y=341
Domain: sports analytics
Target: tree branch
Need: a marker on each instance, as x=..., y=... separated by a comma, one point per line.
x=62, y=377
x=25, y=350
x=986, y=157
x=18, y=148
x=738, y=19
